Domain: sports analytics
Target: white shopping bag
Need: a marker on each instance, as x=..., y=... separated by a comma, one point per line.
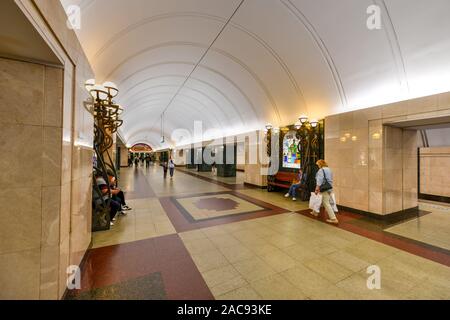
x=333, y=202
x=315, y=202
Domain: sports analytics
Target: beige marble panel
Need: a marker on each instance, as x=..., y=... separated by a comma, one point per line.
x=332, y=124
x=53, y=93
x=20, y=276
x=434, y=168
x=21, y=159
x=21, y=92
x=444, y=101
x=64, y=258
x=51, y=158
x=395, y=109
x=20, y=227
x=376, y=202
x=51, y=210
x=81, y=219
x=65, y=211
x=423, y=104
x=49, y=272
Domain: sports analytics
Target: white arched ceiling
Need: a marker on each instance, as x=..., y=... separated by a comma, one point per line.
x=274, y=60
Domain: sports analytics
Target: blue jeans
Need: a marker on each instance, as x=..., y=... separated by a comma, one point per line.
x=293, y=189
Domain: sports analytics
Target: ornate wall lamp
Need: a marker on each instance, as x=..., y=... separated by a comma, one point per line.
x=106, y=122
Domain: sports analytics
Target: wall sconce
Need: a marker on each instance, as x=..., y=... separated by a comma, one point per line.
x=303, y=119
x=111, y=88
x=269, y=126
x=276, y=130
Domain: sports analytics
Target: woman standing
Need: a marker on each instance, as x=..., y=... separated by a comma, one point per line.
x=324, y=185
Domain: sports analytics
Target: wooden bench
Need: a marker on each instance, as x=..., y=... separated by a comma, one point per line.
x=282, y=179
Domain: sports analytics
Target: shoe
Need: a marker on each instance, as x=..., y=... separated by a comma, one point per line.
x=294, y=199
x=336, y=221
x=127, y=208
x=313, y=213
x=113, y=219
x=123, y=213
x=111, y=223
x=286, y=195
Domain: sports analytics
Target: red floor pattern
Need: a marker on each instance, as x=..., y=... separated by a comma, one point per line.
x=167, y=255
x=181, y=220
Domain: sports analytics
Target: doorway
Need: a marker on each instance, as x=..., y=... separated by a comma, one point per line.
x=432, y=176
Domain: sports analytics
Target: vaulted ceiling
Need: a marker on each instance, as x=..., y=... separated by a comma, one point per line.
x=236, y=65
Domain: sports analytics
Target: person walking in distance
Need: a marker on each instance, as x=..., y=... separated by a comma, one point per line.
x=324, y=186
x=171, y=167
x=164, y=165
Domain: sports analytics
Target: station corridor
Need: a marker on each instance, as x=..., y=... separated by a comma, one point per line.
x=199, y=238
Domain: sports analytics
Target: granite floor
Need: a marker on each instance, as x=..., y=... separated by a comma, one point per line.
x=246, y=243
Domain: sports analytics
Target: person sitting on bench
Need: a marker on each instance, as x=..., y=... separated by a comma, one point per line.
x=117, y=194
x=295, y=185
x=114, y=205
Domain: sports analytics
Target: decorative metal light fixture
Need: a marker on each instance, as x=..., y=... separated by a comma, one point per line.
x=314, y=123
x=106, y=122
x=303, y=119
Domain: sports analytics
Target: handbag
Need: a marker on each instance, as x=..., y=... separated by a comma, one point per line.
x=325, y=184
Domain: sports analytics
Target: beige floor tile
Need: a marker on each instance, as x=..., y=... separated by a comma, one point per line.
x=332, y=293
x=328, y=269
x=281, y=241
x=228, y=285
x=278, y=260
x=220, y=275
x=222, y=241
x=261, y=248
x=247, y=237
x=301, y=253
x=212, y=232
x=348, y=260
x=192, y=235
x=276, y=287
x=308, y=281
x=243, y=293
x=198, y=246
x=253, y=269
x=371, y=251
x=236, y=253
x=429, y=291
x=209, y=260
x=356, y=286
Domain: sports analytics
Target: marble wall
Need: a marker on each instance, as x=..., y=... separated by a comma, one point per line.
x=31, y=151
x=434, y=171
x=256, y=160
x=46, y=150
x=373, y=160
